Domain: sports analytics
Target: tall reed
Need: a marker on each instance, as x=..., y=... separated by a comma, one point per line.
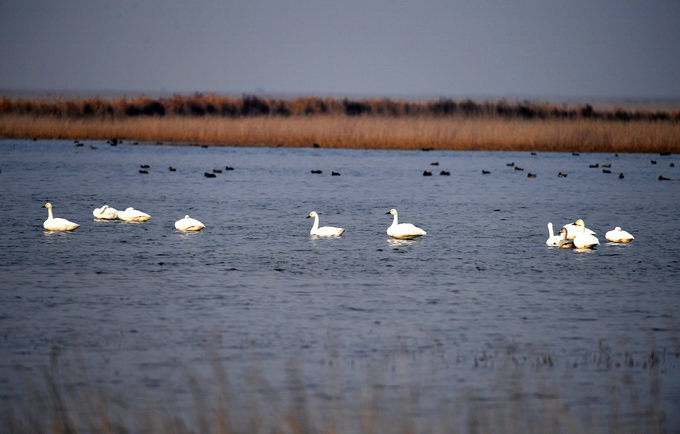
x=367, y=132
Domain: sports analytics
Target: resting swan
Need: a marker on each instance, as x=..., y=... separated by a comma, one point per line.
x=324, y=231
x=404, y=230
x=619, y=236
x=552, y=238
x=57, y=224
x=584, y=240
x=106, y=213
x=133, y=215
x=188, y=224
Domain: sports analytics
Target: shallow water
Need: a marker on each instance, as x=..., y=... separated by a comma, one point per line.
x=141, y=302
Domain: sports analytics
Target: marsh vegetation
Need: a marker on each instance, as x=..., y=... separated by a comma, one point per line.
x=444, y=124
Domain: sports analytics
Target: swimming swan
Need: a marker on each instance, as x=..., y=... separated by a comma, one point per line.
x=133, y=215
x=573, y=229
x=188, y=224
x=106, y=213
x=324, y=231
x=57, y=224
x=552, y=238
x=619, y=236
x=584, y=240
x=565, y=243
x=403, y=231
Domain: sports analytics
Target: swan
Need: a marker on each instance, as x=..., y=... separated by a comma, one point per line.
x=133, y=215
x=584, y=240
x=552, y=238
x=57, y=224
x=106, y=213
x=404, y=230
x=573, y=230
x=565, y=243
x=325, y=231
x=188, y=224
x=619, y=236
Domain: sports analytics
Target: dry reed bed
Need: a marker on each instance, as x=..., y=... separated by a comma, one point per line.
x=367, y=132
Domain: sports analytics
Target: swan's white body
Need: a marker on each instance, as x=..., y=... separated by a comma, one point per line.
x=619, y=236
x=57, y=224
x=324, y=231
x=133, y=215
x=552, y=238
x=573, y=229
x=584, y=240
x=403, y=230
x=106, y=213
x=565, y=243
x=188, y=224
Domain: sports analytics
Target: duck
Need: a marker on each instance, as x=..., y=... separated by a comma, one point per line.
x=133, y=215
x=324, y=231
x=573, y=230
x=57, y=224
x=584, y=240
x=618, y=235
x=188, y=224
x=552, y=238
x=565, y=243
x=105, y=213
x=403, y=231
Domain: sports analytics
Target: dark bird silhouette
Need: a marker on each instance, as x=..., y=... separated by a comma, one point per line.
x=653, y=162
x=145, y=166
x=518, y=168
x=317, y=172
x=217, y=171
x=606, y=171
x=663, y=178
x=561, y=175
x=172, y=169
x=485, y=172
x=146, y=172
x=436, y=163
x=531, y=175
x=426, y=173
x=209, y=175
x=510, y=164
x=228, y=168
x=594, y=166
x=621, y=176
x=445, y=173
x=335, y=173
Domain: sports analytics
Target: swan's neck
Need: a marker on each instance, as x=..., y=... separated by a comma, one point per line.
x=316, y=223
x=583, y=229
x=396, y=219
x=550, y=230
x=49, y=213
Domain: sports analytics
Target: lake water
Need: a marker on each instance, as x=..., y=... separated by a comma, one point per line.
x=453, y=314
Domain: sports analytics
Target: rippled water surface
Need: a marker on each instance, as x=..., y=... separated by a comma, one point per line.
x=143, y=303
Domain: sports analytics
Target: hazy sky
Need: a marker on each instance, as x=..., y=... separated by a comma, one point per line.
x=454, y=48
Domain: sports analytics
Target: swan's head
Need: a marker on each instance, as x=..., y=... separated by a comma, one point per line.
x=313, y=214
x=579, y=222
x=392, y=211
x=47, y=205
x=617, y=228
x=563, y=233
x=130, y=209
x=186, y=216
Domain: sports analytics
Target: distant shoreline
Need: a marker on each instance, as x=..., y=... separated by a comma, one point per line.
x=442, y=124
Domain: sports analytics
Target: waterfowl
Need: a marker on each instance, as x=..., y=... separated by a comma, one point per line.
x=445, y=173
x=57, y=224
x=617, y=235
x=317, y=172
x=621, y=176
x=663, y=178
x=403, y=230
x=188, y=224
x=106, y=213
x=209, y=175
x=584, y=240
x=335, y=173
x=324, y=231
x=573, y=230
x=172, y=169
x=133, y=215
x=518, y=168
x=594, y=166
x=561, y=175
x=552, y=238
x=531, y=175
x=606, y=171
x=426, y=173
x=485, y=172
x=564, y=243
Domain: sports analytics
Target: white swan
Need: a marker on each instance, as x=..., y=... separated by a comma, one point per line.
x=188, y=224
x=573, y=229
x=57, y=224
x=565, y=243
x=106, y=213
x=133, y=215
x=324, y=231
x=619, y=236
x=403, y=230
x=552, y=238
x=584, y=240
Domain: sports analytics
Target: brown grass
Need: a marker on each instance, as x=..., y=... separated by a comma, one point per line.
x=368, y=132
